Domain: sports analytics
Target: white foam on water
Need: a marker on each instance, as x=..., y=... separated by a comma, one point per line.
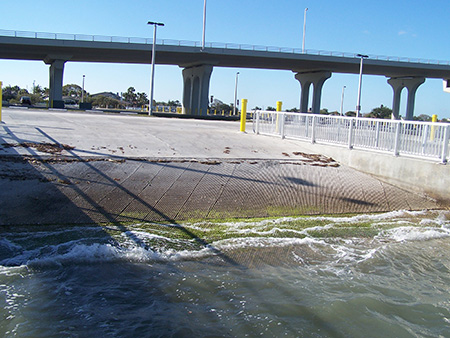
x=138, y=245
x=263, y=242
x=143, y=235
x=402, y=234
x=93, y=253
x=331, y=219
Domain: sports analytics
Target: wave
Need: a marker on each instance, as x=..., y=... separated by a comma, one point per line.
x=138, y=244
x=402, y=234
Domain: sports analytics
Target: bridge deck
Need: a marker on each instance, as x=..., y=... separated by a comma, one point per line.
x=34, y=48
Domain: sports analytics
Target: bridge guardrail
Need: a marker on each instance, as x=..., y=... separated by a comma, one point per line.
x=234, y=46
x=425, y=140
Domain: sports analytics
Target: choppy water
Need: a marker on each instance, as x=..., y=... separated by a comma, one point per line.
x=268, y=278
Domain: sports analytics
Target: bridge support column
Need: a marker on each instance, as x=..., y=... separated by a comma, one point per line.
x=412, y=84
x=317, y=79
x=56, y=83
x=196, y=89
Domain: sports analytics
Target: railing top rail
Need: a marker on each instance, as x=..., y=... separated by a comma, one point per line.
x=222, y=45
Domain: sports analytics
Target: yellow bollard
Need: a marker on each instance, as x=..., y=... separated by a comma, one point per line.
x=434, y=120
x=1, y=100
x=279, y=105
x=243, y=114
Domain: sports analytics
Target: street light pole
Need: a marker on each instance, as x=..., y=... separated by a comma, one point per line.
x=152, y=81
x=82, y=90
x=358, y=104
x=235, y=94
x=342, y=101
x=204, y=25
x=304, y=31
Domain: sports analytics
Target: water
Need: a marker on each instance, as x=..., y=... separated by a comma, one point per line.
x=365, y=276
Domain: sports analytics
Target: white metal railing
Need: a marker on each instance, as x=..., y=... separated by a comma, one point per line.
x=418, y=139
x=169, y=42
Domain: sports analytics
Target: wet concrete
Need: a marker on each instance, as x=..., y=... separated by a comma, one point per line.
x=189, y=174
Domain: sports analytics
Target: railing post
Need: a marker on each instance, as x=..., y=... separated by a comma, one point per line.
x=397, y=139
x=283, y=120
x=350, y=134
x=313, y=132
x=258, y=115
x=445, y=144
x=377, y=134
x=306, y=126
x=425, y=137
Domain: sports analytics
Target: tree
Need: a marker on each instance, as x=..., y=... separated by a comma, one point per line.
x=175, y=103
x=381, y=112
x=324, y=111
x=72, y=90
x=23, y=92
x=422, y=117
x=38, y=90
x=220, y=106
x=141, y=99
x=105, y=102
x=130, y=95
x=270, y=108
x=9, y=93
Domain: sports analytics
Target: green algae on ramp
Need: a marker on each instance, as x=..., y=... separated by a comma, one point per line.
x=188, y=236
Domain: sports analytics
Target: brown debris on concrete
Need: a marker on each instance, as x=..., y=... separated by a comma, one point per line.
x=44, y=147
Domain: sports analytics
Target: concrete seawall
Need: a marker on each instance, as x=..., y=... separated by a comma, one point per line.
x=422, y=176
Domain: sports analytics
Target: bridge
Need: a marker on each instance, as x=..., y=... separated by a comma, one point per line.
x=309, y=67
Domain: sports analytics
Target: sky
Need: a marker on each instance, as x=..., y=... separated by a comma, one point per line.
x=408, y=28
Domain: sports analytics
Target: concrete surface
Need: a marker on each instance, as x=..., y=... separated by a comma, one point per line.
x=422, y=176
x=69, y=168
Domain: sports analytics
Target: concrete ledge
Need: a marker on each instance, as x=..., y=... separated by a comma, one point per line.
x=428, y=177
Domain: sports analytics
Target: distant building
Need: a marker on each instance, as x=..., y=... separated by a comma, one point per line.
x=108, y=94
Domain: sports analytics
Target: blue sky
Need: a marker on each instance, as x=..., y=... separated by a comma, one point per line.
x=398, y=28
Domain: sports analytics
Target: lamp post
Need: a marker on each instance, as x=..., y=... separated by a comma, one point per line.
x=235, y=94
x=152, y=81
x=82, y=90
x=342, y=101
x=304, y=30
x=358, y=104
x=204, y=25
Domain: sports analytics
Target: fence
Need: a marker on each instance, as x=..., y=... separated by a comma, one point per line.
x=418, y=139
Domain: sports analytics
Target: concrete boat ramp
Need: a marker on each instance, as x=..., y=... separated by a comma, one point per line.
x=59, y=167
